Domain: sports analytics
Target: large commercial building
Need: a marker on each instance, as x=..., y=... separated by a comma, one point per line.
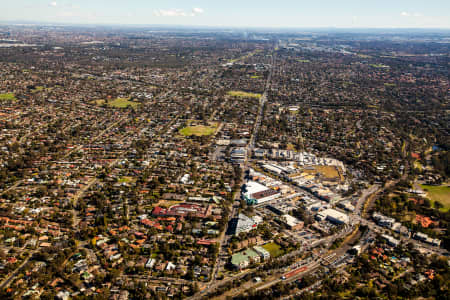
x=256, y=193
x=333, y=216
x=245, y=224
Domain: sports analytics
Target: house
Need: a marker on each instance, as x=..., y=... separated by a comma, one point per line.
x=150, y=263
x=170, y=266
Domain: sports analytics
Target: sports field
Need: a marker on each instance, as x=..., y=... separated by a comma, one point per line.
x=199, y=130
x=439, y=193
x=274, y=249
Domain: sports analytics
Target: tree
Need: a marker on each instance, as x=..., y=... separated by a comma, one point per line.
x=438, y=205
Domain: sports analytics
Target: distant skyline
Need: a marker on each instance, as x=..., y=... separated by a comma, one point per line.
x=243, y=13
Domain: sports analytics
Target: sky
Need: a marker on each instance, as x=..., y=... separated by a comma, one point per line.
x=235, y=13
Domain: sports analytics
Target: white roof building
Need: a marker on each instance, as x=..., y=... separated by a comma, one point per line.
x=150, y=263
x=257, y=193
x=291, y=221
x=333, y=216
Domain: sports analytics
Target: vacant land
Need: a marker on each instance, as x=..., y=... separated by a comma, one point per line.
x=303, y=60
x=168, y=203
x=290, y=147
x=274, y=249
x=117, y=103
x=438, y=193
x=328, y=172
x=241, y=94
x=8, y=97
x=199, y=130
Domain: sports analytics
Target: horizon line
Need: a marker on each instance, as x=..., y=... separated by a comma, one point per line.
x=48, y=23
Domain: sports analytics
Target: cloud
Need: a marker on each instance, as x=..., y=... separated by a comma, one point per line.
x=54, y=4
x=408, y=14
x=178, y=12
x=170, y=13
x=197, y=11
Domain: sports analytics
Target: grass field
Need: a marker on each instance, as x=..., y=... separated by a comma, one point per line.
x=438, y=193
x=8, y=97
x=117, y=103
x=379, y=66
x=199, y=130
x=38, y=89
x=241, y=94
x=126, y=179
x=274, y=249
x=245, y=56
x=418, y=165
x=255, y=77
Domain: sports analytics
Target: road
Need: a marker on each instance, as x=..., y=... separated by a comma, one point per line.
x=223, y=240
x=210, y=288
x=5, y=283
x=14, y=186
x=355, y=217
x=378, y=229
x=19, y=182
x=374, y=189
x=312, y=266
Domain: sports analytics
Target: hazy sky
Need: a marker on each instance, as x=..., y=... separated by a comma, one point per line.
x=260, y=13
